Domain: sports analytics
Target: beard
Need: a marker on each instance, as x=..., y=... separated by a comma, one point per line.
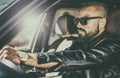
x=88, y=36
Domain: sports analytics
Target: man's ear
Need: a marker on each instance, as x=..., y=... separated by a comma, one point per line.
x=102, y=23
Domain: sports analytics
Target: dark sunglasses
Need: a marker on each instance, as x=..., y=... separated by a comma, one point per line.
x=83, y=21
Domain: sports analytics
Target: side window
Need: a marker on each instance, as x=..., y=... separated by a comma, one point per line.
x=31, y=27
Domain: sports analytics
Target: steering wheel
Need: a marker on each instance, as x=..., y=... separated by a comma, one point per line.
x=9, y=69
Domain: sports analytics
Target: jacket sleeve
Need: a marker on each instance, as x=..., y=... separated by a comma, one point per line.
x=103, y=53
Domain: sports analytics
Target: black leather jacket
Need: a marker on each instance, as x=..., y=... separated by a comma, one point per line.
x=101, y=51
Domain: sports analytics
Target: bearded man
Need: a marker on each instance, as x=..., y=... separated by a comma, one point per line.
x=94, y=48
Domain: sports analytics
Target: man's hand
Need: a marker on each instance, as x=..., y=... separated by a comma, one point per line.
x=32, y=61
x=27, y=58
x=10, y=54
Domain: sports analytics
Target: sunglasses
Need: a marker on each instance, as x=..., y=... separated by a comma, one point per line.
x=83, y=21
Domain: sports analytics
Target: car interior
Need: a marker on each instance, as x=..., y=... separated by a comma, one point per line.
x=29, y=26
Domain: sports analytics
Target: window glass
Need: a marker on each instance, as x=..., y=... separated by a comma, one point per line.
x=32, y=26
x=6, y=4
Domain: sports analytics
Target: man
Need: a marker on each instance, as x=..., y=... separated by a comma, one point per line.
x=94, y=48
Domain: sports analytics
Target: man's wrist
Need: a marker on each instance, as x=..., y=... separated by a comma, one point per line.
x=23, y=56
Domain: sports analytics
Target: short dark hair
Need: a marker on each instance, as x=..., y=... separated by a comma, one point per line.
x=94, y=3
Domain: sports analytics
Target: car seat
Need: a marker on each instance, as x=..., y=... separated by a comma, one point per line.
x=113, y=25
x=65, y=27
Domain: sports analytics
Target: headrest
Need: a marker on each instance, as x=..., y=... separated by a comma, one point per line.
x=66, y=24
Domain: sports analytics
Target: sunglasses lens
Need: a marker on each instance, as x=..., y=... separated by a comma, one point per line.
x=82, y=21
